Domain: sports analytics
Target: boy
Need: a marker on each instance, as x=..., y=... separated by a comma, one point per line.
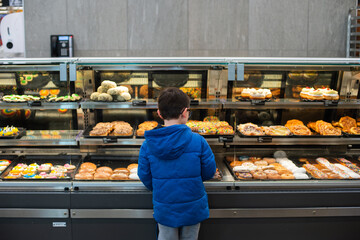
x=173, y=163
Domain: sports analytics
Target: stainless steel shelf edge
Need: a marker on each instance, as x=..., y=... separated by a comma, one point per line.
x=37, y=143
x=45, y=105
x=108, y=186
x=111, y=213
x=297, y=184
x=33, y=213
x=285, y=212
x=149, y=105
x=353, y=104
x=225, y=213
x=34, y=186
x=253, y=141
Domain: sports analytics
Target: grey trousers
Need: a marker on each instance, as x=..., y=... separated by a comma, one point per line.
x=181, y=233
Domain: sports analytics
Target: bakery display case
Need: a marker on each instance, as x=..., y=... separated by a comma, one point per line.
x=281, y=157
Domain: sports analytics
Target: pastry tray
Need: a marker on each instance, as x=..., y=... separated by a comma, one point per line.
x=331, y=159
x=22, y=132
x=11, y=158
x=41, y=159
x=109, y=161
x=252, y=179
x=291, y=135
x=254, y=101
x=87, y=131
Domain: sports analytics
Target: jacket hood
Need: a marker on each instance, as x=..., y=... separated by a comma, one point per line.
x=168, y=142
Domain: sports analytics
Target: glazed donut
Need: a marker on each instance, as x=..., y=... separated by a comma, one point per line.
x=269, y=167
x=269, y=160
x=254, y=158
x=235, y=163
x=269, y=172
x=244, y=175
x=282, y=171
x=274, y=176
x=261, y=163
x=259, y=175
x=287, y=176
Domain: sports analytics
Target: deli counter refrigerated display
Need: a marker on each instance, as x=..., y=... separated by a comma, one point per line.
x=285, y=133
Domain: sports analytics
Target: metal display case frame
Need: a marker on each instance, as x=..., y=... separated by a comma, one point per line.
x=232, y=203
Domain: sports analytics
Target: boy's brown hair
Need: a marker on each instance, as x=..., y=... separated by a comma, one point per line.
x=172, y=102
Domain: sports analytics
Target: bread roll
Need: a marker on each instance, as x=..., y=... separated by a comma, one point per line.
x=88, y=165
x=121, y=170
x=131, y=166
x=119, y=176
x=104, y=170
x=102, y=176
x=84, y=176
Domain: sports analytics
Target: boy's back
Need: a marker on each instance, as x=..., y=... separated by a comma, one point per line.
x=173, y=163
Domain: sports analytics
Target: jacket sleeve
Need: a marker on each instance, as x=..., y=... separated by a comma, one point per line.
x=208, y=165
x=144, y=171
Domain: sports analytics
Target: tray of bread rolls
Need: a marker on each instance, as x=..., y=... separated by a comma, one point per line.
x=336, y=168
x=42, y=168
x=107, y=168
x=115, y=129
x=264, y=168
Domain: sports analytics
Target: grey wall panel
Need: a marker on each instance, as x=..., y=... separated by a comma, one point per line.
x=41, y=20
x=219, y=53
x=151, y=28
x=157, y=25
x=278, y=25
x=157, y=53
x=327, y=27
x=218, y=24
x=98, y=25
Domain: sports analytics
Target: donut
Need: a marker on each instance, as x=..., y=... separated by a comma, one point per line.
x=86, y=170
x=231, y=158
x=235, y=163
x=269, y=172
x=259, y=175
x=69, y=167
x=274, y=176
x=244, y=175
x=134, y=176
x=261, y=163
x=269, y=160
x=287, y=176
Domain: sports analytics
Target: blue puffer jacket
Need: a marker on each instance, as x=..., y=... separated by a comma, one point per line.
x=173, y=163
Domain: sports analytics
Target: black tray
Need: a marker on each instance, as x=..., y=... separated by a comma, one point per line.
x=292, y=135
x=86, y=134
x=22, y=132
x=40, y=159
x=236, y=178
x=111, y=162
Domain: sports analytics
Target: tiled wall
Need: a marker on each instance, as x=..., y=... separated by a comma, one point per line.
x=160, y=28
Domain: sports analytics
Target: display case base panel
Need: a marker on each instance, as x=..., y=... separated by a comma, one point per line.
x=35, y=200
x=31, y=228
x=95, y=229
x=329, y=228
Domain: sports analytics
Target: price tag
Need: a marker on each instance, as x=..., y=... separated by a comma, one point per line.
x=109, y=140
x=139, y=103
x=265, y=139
x=34, y=103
